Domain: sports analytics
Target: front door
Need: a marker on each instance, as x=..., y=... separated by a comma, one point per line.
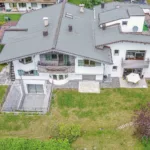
x=61, y=59
x=35, y=88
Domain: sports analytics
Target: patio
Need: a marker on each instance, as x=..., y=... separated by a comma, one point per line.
x=141, y=84
x=16, y=100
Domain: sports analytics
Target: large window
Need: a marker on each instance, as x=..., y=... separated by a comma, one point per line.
x=114, y=68
x=35, y=88
x=34, y=5
x=59, y=76
x=116, y=52
x=22, y=5
x=13, y=5
x=135, y=55
x=88, y=63
x=26, y=60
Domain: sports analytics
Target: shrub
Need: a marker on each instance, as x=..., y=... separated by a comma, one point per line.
x=142, y=122
x=70, y=132
x=33, y=144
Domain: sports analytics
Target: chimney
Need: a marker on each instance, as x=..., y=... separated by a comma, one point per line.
x=103, y=26
x=45, y=19
x=81, y=8
x=45, y=32
x=102, y=5
x=70, y=28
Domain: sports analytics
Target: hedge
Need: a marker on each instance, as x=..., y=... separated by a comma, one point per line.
x=33, y=144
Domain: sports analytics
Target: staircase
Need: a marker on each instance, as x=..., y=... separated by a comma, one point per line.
x=12, y=74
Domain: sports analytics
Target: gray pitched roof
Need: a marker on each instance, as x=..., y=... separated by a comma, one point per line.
x=109, y=14
x=79, y=42
x=113, y=34
x=23, y=43
x=113, y=15
x=85, y=40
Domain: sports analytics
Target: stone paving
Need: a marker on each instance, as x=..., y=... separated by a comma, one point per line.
x=74, y=84
x=89, y=87
x=4, y=76
x=115, y=83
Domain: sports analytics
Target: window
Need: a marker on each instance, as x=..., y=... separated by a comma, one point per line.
x=13, y=5
x=22, y=5
x=54, y=56
x=124, y=22
x=28, y=73
x=26, y=60
x=61, y=77
x=34, y=5
x=116, y=52
x=114, y=68
x=87, y=62
x=55, y=77
x=66, y=76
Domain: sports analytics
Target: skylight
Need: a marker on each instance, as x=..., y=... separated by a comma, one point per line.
x=68, y=15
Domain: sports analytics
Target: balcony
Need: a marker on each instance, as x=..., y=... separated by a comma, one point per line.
x=135, y=63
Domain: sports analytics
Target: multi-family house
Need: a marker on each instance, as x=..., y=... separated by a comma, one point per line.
x=66, y=42
x=25, y=5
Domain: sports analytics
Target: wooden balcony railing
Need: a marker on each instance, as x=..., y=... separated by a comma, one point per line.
x=55, y=67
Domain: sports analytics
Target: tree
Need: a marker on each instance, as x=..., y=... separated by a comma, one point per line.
x=142, y=122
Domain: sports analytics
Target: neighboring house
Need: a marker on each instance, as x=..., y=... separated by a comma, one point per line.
x=27, y=5
x=65, y=42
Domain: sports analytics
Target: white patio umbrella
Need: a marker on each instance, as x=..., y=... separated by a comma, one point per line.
x=133, y=78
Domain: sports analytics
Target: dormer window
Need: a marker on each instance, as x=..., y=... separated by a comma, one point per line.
x=124, y=22
x=26, y=60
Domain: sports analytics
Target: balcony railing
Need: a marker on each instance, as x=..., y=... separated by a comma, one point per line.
x=135, y=63
x=55, y=67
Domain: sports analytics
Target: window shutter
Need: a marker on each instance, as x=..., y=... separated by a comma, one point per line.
x=36, y=73
x=66, y=59
x=20, y=72
x=48, y=56
x=80, y=62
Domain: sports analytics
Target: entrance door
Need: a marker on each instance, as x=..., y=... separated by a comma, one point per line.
x=35, y=88
x=61, y=59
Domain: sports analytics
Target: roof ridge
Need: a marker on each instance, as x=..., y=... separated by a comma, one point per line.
x=59, y=25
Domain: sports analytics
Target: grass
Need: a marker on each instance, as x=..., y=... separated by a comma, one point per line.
x=107, y=111
x=13, y=17
x=145, y=28
x=2, y=93
x=2, y=66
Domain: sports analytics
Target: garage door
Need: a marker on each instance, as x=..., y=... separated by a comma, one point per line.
x=35, y=88
x=88, y=77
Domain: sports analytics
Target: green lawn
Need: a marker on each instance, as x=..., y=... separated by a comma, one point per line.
x=107, y=110
x=2, y=66
x=2, y=93
x=14, y=17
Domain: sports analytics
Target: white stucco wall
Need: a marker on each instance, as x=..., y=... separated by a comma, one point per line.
x=123, y=47
x=132, y=21
x=87, y=70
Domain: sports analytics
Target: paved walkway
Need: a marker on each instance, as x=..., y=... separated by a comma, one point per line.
x=89, y=87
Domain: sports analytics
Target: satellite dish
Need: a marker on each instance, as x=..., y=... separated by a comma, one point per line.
x=135, y=29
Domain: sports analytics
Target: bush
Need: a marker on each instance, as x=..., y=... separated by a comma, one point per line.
x=33, y=144
x=142, y=122
x=70, y=132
